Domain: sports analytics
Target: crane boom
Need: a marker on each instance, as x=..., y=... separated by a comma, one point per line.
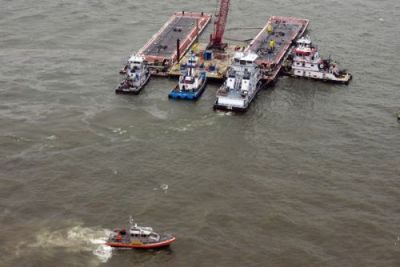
x=219, y=25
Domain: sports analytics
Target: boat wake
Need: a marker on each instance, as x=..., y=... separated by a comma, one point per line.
x=76, y=239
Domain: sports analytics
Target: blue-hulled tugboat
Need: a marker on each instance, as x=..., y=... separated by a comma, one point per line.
x=138, y=237
x=137, y=74
x=192, y=81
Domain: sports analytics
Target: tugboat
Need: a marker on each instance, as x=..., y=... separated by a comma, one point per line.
x=138, y=237
x=192, y=81
x=241, y=85
x=305, y=61
x=137, y=76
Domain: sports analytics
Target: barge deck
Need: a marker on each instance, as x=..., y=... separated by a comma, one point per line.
x=273, y=42
x=161, y=51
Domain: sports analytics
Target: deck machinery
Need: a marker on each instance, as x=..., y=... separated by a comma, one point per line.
x=216, y=37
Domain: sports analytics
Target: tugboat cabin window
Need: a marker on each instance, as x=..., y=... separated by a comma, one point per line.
x=242, y=62
x=189, y=80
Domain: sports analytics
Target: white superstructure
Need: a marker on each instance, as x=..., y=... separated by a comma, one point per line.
x=306, y=62
x=137, y=74
x=137, y=71
x=242, y=83
x=192, y=77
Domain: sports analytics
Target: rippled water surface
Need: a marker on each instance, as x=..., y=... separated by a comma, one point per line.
x=309, y=176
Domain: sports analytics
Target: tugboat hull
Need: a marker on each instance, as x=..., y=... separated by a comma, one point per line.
x=229, y=108
x=140, y=245
x=187, y=95
x=242, y=106
x=129, y=91
x=121, y=89
x=342, y=79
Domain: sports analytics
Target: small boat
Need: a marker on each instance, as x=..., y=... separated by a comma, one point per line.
x=137, y=75
x=138, y=237
x=192, y=81
x=305, y=61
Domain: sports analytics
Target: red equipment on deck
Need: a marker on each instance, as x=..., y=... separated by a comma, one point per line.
x=219, y=26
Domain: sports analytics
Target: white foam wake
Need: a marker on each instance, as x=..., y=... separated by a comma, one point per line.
x=77, y=239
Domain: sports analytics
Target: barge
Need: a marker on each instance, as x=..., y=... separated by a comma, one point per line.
x=174, y=39
x=273, y=42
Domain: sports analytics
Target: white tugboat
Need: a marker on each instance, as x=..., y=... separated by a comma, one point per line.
x=305, y=61
x=137, y=75
x=192, y=81
x=241, y=85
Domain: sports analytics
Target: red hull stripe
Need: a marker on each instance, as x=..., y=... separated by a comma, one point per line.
x=155, y=245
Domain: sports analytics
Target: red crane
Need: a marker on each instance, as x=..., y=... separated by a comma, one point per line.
x=219, y=26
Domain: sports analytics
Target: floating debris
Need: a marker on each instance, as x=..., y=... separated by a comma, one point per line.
x=51, y=137
x=119, y=131
x=164, y=187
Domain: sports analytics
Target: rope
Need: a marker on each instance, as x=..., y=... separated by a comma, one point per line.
x=238, y=40
x=243, y=28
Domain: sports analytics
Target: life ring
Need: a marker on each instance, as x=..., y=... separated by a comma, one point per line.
x=321, y=66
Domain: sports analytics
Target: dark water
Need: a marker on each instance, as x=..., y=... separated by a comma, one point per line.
x=309, y=176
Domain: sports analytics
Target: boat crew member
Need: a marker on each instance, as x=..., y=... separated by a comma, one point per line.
x=270, y=29
x=272, y=44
